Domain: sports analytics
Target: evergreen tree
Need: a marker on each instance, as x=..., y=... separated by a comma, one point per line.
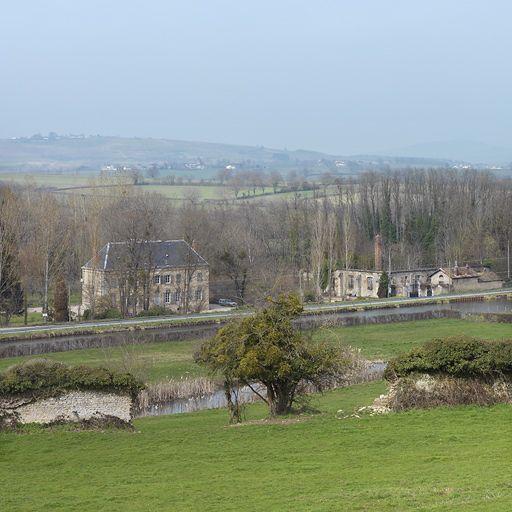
x=382, y=292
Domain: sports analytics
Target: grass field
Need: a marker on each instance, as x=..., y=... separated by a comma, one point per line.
x=158, y=361
x=65, y=182
x=445, y=460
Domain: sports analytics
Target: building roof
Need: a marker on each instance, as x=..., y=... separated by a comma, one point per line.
x=157, y=253
x=487, y=277
x=459, y=272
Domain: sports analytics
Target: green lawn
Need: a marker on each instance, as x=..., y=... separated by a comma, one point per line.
x=158, y=361
x=387, y=340
x=152, y=362
x=445, y=460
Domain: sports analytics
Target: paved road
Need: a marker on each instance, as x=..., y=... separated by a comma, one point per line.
x=228, y=312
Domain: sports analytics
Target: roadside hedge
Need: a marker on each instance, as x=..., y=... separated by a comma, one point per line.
x=51, y=378
x=457, y=356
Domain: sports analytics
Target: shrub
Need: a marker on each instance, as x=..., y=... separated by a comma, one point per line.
x=309, y=296
x=154, y=311
x=457, y=356
x=111, y=313
x=426, y=392
x=50, y=378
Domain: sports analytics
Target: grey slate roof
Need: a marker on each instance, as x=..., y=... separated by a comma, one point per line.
x=160, y=254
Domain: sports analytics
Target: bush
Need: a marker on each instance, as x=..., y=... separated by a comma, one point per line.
x=50, y=378
x=154, y=311
x=456, y=356
x=309, y=297
x=111, y=313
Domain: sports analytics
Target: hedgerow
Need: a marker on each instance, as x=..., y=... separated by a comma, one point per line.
x=457, y=356
x=51, y=378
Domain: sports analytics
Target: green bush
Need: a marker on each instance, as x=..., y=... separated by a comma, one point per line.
x=154, y=311
x=457, y=356
x=309, y=296
x=109, y=313
x=50, y=378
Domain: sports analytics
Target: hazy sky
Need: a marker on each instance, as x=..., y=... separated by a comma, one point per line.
x=342, y=76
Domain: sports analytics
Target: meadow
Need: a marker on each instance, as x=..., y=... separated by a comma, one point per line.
x=161, y=361
x=327, y=458
x=454, y=459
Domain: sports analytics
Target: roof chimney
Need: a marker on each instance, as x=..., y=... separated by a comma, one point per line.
x=378, y=252
x=456, y=268
x=194, y=245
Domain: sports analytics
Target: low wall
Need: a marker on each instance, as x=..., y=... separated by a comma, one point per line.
x=393, y=316
x=32, y=347
x=71, y=406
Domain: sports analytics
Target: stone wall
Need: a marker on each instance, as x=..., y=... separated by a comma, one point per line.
x=71, y=406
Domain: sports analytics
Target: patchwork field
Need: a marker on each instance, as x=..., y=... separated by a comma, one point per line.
x=445, y=459
x=68, y=183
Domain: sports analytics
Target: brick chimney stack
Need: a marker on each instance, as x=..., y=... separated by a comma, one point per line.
x=378, y=252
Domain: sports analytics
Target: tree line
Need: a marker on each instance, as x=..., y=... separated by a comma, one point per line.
x=427, y=217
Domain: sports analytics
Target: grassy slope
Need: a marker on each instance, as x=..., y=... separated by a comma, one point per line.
x=445, y=459
x=165, y=360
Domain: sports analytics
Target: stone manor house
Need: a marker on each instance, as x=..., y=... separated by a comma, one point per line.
x=136, y=275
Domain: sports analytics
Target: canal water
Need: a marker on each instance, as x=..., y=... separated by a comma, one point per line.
x=217, y=400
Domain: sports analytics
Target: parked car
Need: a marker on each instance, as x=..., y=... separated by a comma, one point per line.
x=227, y=302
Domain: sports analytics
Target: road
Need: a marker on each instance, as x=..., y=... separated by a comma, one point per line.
x=229, y=313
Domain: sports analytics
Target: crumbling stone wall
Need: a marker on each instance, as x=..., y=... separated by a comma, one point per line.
x=71, y=406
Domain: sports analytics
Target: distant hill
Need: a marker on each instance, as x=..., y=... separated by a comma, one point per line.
x=54, y=153
x=93, y=152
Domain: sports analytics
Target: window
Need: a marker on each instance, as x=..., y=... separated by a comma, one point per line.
x=351, y=281
x=178, y=279
x=167, y=297
x=156, y=279
x=199, y=294
x=177, y=297
x=369, y=283
x=199, y=277
x=167, y=278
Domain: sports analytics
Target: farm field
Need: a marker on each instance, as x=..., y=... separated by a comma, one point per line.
x=58, y=180
x=160, y=361
x=67, y=183
x=455, y=459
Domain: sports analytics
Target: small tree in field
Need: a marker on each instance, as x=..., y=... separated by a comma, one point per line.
x=60, y=300
x=266, y=350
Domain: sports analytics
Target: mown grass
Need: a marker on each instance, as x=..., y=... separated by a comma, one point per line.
x=160, y=361
x=445, y=459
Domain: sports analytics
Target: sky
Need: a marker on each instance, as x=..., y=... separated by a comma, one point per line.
x=340, y=76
